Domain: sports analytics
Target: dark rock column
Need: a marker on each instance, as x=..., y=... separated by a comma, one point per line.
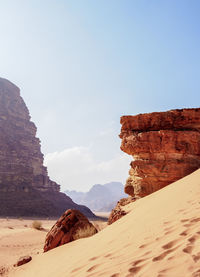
x=25, y=188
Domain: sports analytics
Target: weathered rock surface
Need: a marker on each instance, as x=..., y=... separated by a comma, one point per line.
x=25, y=188
x=23, y=260
x=72, y=225
x=119, y=211
x=165, y=147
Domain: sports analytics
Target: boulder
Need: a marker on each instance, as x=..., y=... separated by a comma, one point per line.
x=72, y=225
x=120, y=210
x=23, y=260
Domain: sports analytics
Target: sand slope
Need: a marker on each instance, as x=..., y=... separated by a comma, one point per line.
x=18, y=238
x=160, y=237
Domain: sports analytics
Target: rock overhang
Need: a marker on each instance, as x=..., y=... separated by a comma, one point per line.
x=165, y=147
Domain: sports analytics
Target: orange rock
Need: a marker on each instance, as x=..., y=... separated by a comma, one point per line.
x=118, y=211
x=23, y=260
x=165, y=147
x=72, y=225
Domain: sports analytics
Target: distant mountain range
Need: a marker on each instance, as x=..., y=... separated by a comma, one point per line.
x=100, y=197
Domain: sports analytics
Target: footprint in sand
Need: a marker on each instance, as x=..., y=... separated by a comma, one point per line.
x=108, y=255
x=147, y=253
x=169, y=244
x=142, y=246
x=115, y=275
x=196, y=273
x=134, y=269
x=188, y=249
x=184, y=233
x=194, y=220
x=158, y=238
x=76, y=269
x=168, y=230
x=92, y=268
x=196, y=257
x=163, y=255
x=184, y=220
x=93, y=258
x=192, y=239
x=163, y=271
x=137, y=262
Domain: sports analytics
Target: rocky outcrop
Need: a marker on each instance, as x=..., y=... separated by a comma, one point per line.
x=72, y=225
x=119, y=210
x=165, y=147
x=23, y=260
x=25, y=188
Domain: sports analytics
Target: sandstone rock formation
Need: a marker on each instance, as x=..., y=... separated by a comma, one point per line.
x=119, y=210
x=25, y=188
x=72, y=225
x=165, y=147
x=23, y=260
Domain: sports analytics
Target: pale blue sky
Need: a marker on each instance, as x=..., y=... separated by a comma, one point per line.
x=82, y=64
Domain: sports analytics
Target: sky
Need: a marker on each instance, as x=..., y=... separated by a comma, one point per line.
x=82, y=64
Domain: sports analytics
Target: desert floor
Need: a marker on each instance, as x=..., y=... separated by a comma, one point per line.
x=18, y=238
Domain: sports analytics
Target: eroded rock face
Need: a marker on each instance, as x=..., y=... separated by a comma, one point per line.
x=119, y=210
x=21, y=161
x=23, y=260
x=72, y=225
x=165, y=147
x=25, y=188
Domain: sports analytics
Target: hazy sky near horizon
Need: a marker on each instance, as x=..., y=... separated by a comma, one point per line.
x=81, y=65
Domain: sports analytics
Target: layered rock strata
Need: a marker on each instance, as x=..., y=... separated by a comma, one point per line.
x=165, y=147
x=25, y=188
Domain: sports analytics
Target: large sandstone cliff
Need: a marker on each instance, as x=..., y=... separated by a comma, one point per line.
x=165, y=147
x=25, y=188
